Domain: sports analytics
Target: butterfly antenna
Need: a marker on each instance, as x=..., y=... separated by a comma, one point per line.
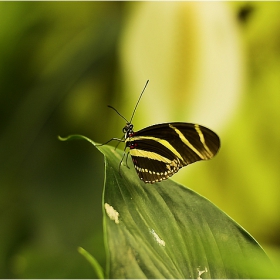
x=138, y=100
x=118, y=113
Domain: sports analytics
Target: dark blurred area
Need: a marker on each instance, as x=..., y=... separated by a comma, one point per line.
x=62, y=63
x=58, y=71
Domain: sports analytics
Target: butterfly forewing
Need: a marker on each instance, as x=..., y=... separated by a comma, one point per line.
x=160, y=150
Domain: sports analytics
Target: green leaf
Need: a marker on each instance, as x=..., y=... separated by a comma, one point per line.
x=94, y=263
x=166, y=230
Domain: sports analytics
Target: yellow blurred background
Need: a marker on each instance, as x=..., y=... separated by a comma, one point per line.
x=212, y=63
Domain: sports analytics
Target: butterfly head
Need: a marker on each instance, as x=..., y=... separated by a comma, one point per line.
x=128, y=130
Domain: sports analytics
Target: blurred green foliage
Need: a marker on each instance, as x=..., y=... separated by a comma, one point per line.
x=63, y=62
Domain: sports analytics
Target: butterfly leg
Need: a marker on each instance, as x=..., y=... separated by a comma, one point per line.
x=121, y=161
x=126, y=163
x=124, y=153
x=120, y=140
x=116, y=139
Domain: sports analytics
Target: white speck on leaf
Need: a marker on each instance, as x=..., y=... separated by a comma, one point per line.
x=157, y=238
x=112, y=213
x=200, y=272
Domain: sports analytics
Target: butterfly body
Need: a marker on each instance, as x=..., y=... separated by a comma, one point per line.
x=160, y=150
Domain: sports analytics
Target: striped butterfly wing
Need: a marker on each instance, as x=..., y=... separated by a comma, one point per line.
x=160, y=150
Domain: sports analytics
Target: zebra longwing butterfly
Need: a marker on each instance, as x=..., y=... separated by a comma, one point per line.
x=160, y=150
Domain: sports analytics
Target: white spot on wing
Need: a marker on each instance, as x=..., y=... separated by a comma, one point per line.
x=157, y=238
x=112, y=213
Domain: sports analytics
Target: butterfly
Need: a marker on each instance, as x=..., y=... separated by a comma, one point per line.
x=161, y=150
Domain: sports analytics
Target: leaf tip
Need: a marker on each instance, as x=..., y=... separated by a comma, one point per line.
x=61, y=138
x=77, y=137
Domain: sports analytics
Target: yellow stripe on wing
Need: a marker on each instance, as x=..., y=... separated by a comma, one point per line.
x=202, y=140
x=141, y=153
x=186, y=141
x=161, y=141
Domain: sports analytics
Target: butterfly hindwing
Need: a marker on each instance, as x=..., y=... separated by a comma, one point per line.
x=153, y=161
x=151, y=171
